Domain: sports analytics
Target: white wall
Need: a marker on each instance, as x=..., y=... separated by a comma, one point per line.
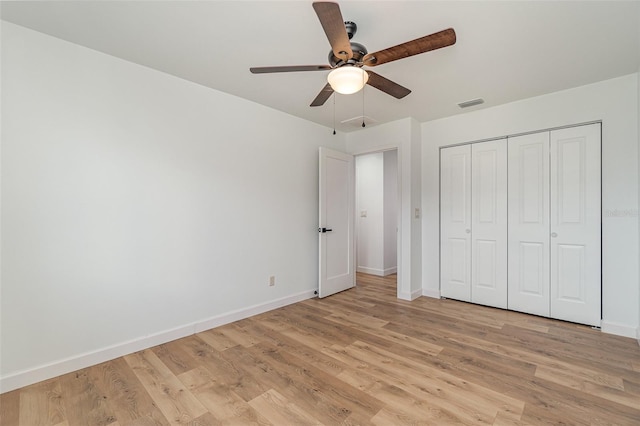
x=405, y=136
x=390, y=211
x=376, y=212
x=615, y=102
x=370, y=213
x=138, y=207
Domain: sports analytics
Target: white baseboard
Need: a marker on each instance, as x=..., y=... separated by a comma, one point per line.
x=410, y=296
x=638, y=335
x=404, y=296
x=375, y=271
x=390, y=271
x=618, y=329
x=47, y=371
x=243, y=313
x=415, y=294
x=87, y=359
x=371, y=271
x=431, y=293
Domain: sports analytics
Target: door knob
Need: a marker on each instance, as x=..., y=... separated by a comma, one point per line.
x=468, y=231
x=553, y=234
x=323, y=230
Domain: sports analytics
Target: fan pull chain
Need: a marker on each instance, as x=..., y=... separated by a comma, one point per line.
x=363, y=84
x=334, y=113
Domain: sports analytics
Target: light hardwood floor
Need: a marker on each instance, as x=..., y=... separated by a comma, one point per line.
x=358, y=357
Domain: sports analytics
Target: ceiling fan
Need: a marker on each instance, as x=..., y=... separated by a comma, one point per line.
x=347, y=58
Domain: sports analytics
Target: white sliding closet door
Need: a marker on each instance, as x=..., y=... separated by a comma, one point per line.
x=455, y=222
x=576, y=224
x=528, y=205
x=489, y=223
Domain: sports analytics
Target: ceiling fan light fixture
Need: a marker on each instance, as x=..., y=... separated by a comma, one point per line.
x=347, y=79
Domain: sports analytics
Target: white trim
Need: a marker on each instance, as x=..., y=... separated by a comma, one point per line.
x=47, y=371
x=618, y=329
x=87, y=359
x=410, y=296
x=390, y=271
x=428, y=292
x=373, y=150
x=416, y=293
x=250, y=311
x=530, y=132
x=371, y=271
x=404, y=296
x=638, y=335
x=378, y=272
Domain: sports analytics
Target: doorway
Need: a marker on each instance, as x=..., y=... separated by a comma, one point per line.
x=377, y=212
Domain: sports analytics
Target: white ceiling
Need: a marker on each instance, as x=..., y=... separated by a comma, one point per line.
x=505, y=50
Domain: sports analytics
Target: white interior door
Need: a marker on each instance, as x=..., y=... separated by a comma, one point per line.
x=336, y=222
x=455, y=222
x=528, y=240
x=576, y=224
x=489, y=223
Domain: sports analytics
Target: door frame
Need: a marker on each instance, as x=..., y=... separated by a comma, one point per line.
x=401, y=273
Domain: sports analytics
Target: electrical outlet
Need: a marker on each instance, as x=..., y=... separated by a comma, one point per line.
x=272, y=280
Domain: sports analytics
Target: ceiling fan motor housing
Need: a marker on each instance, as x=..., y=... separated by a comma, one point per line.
x=351, y=28
x=358, y=53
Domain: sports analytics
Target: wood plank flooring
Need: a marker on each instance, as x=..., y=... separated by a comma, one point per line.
x=355, y=358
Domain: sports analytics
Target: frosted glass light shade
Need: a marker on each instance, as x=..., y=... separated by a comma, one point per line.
x=347, y=79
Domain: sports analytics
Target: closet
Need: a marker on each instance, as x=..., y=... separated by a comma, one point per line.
x=520, y=223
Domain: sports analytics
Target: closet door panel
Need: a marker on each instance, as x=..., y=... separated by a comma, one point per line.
x=455, y=222
x=528, y=229
x=489, y=223
x=576, y=224
x=531, y=265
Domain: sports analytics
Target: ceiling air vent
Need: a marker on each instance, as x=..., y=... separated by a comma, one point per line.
x=472, y=102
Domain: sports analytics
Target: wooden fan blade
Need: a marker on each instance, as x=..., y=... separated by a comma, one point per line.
x=333, y=25
x=387, y=86
x=322, y=97
x=434, y=41
x=291, y=68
